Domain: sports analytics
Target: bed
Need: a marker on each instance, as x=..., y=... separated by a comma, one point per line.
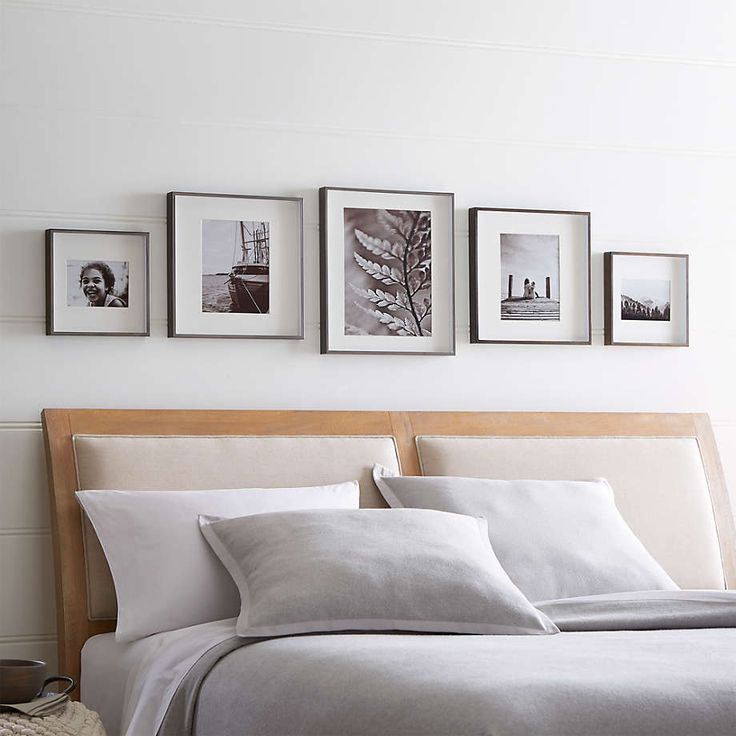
x=669, y=487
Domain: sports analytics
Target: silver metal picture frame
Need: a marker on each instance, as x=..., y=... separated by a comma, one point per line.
x=387, y=272
x=530, y=276
x=646, y=299
x=97, y=282
x=235, y=266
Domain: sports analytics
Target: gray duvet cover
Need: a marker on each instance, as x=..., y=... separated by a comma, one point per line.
x=668, y=682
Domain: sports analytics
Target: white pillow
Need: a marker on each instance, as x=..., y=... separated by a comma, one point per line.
x=555, y=539
x=166, y=576
x=369, y=570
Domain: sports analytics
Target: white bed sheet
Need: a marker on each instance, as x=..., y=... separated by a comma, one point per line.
x=106, y=665
x=131, y=684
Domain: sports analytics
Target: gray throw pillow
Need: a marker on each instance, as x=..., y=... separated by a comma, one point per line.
x=555, y=539
x=369, y=570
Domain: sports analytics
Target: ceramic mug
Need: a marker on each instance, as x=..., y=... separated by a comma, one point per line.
x=22, y=680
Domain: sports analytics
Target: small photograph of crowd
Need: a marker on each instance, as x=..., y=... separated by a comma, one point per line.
x=97, y=283
x=645, y=299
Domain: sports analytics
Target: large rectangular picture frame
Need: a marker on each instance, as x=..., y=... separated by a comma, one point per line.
x=573, y=234
x=65, y=246
x=679, y=312
x=186, y=211
x=336, y=335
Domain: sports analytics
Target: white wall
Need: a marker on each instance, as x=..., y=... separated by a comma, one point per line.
x=621, y=107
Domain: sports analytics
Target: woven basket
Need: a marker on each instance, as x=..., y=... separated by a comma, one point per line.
x=72, y=720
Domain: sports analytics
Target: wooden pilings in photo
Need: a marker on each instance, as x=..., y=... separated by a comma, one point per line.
x=547, y=289
x=530, y=306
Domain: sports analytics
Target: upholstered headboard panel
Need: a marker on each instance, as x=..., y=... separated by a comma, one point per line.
x=149, y=463
x=659, y=484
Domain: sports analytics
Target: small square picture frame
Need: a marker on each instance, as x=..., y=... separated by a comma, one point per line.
x=235, y=266
x=387, y=272
x=646, y=299
x=97, y=268
x=530, y=276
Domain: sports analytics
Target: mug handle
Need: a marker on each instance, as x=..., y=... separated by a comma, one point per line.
x=58, y=678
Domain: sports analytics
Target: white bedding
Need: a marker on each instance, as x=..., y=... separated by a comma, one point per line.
x=106, y=665
x=131, y=684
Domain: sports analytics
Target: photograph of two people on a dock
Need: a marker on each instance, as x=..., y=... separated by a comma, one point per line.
x=530, y=276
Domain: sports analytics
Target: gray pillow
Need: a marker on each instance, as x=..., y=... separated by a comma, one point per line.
x=555, y=539
x=369, y=570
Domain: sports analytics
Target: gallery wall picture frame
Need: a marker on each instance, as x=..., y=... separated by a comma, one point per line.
x=235, y=266
x=386, y=272
x=97, y=268
x=646, y=299
x=530, y=276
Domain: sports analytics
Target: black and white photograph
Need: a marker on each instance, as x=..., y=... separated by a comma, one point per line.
x=530, y=276
x=97, y=268
x=97, y=284
x=235, y=266
x=646, y=299
x=388, y=272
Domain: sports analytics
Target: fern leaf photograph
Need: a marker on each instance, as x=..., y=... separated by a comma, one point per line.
x=388, y=272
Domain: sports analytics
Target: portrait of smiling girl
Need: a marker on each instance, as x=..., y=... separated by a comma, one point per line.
x=97, y=282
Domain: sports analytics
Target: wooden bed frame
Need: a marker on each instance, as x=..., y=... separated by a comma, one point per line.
x=60, y=425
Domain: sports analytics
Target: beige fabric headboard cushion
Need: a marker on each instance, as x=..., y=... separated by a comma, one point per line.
x=149, y=463
x=659, y=484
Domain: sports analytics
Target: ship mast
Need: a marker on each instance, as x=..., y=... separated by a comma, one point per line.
x=255, y=243
x=244, y=246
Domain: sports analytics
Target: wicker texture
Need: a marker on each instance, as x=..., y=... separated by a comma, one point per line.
x=72, y=720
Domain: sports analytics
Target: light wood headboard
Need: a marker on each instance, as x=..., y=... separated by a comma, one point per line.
x=60, y=426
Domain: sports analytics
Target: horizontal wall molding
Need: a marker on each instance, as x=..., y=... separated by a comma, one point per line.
x=22, y=319
x=39, y=319
x=31, y=532
x=16, y=426
x=48, y=215
x=312, y=325
x=332, y=131
x=393, y=38
x=462, y=330
x=313, y=226
x=163, y=321
x=29, y=639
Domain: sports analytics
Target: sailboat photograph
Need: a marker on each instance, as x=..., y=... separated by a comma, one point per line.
x=235, y=266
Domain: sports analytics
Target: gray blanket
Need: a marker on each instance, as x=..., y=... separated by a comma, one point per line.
x=676, y=682
x=644, y=610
